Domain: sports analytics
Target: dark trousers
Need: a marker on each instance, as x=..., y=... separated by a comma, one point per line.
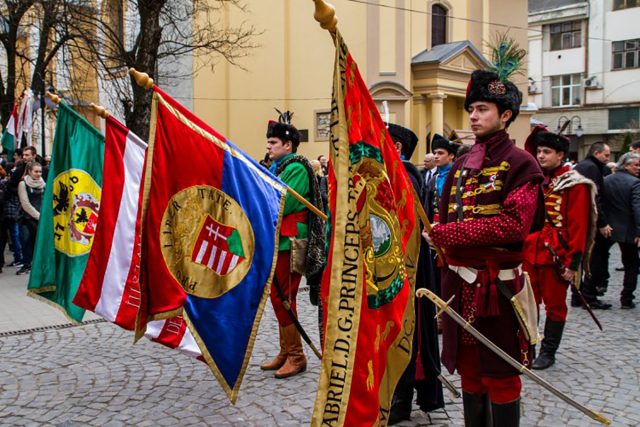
x=630, y=262
x=28, y=239
x=4, y=238
x=599, y=267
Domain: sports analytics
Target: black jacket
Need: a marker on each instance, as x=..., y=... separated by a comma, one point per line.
x=622, y=206
x=594, y=169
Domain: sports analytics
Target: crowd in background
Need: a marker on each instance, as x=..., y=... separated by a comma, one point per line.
x=22, y=183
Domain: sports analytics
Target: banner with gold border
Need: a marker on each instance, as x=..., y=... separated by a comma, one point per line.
x=211, y=218
x=367, y=290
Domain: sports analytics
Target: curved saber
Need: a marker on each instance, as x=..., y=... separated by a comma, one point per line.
x=444, y=307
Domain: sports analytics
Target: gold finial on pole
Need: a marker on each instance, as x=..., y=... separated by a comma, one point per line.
x=142, y=79
x=52, y=96
x=100, y=110
x=326, y=15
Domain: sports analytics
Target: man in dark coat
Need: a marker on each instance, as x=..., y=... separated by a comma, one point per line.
x=488, y=206
x=622, y=208
x=424, y=367
x=594, y=168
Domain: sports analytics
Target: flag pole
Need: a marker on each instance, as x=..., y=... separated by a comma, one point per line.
x=143, y=80
x=55, y=98
x=325, y=14
x=100, y=111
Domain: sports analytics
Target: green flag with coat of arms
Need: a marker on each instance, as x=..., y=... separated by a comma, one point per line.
x=69, y=212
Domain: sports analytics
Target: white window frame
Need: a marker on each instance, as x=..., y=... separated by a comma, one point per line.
x=574, y=87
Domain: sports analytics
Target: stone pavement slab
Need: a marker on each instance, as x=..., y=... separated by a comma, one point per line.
x=94, y=375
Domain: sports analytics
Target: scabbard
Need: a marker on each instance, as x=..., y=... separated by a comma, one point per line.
x=584, y=302
x=294, y=319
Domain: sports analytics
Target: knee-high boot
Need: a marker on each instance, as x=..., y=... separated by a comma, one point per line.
x=477, y=410
x=506, y=414
x=296, y=360
x=550, y=343
x=278, y=361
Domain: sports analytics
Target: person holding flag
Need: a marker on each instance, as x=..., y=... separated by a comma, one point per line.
x=487, y=209
x=298, y=228
x=424, y=367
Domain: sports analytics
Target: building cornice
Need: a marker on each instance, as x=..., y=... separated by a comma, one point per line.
x=559, y=14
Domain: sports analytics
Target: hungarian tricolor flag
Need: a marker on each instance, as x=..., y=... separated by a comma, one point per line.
x=366, y=291
x=69, y=213
x=211, y=217
x=110, y=286
x=18, y=125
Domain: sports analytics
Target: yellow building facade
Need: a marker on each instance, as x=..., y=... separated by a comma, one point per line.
x=416, y=55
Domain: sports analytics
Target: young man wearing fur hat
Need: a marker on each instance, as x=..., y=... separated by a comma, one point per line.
x=424, y=368
x=298, y=224
x=553, y=255
x=487, y=209
x=444, y=152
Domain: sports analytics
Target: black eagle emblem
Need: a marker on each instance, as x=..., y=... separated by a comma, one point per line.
x=61, y=200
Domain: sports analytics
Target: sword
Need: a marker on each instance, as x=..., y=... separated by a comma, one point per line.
x=444, y=307
x=294, y=319
x=562, y=268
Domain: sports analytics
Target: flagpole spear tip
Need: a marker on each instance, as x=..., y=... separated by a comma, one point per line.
x=100, y=110
x=142, y=79
x=326, y=15
x=52, y=96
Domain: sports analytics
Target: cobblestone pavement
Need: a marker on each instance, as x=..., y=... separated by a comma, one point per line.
x=94, y=375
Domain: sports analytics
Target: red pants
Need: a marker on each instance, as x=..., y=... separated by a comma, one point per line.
x=289, y=283
x=550, y=289
x=500, y=389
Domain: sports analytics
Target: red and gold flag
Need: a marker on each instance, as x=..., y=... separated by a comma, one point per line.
x=367, y=293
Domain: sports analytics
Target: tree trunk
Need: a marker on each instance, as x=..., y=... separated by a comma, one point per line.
x=138, y=114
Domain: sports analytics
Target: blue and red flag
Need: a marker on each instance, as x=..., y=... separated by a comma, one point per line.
x=211, y=217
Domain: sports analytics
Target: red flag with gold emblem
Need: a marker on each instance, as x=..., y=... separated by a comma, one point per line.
x=367, y=290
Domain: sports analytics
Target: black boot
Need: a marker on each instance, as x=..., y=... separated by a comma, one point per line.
x=477, y=412
x=552, y=336
x=506, y=414
x=401, y=403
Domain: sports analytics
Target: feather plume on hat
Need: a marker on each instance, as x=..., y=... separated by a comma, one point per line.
x=493, y=85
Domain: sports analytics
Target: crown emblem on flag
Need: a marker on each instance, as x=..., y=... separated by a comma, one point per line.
x=218, y=247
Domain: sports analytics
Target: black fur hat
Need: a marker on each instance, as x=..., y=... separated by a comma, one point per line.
x=405, y=136
x=283, y=129
x=487, y=86
x=441, y=142
x=551, y=140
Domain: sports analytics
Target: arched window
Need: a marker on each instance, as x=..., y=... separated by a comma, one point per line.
x=438, y=25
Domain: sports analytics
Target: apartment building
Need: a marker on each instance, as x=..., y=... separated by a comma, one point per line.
x=584, y=59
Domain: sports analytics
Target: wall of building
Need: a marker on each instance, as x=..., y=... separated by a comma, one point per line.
x=608, y=89
x=292, y=68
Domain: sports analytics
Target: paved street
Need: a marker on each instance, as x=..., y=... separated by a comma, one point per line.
x=52, y=373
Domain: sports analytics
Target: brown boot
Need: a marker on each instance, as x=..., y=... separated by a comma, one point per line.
x=296, y=361
x=279, y=360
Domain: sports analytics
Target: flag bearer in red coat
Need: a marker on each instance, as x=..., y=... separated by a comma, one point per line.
x=487, y=209
x=553, y=255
